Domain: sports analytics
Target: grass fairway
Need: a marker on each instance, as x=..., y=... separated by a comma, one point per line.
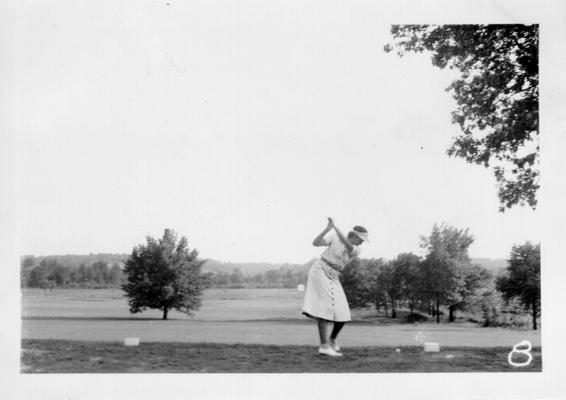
x=64, y=356
x=253, y=316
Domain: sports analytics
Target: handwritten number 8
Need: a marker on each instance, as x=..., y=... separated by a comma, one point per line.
x=517, y=349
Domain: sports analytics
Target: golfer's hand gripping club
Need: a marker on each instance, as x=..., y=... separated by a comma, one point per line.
x=331, y=223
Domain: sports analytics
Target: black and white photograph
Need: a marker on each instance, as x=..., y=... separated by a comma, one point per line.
x=251, y=199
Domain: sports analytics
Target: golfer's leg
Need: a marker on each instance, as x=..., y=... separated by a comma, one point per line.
x=322, y=331
x=336, y=330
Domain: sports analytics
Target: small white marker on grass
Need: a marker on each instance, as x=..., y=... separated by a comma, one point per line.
x=431, y=347
x=131, y=341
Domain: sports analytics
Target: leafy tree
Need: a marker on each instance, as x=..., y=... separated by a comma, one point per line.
x=163, y=274
x=115, y=275
x=38, y=277
x=496, y=95
x=25, y=277
x=273, y=278
x=75, y=277
x=288, y=278
x=26, y=265
x=221, y=278
x=395, y=290
x=406, y=278
x=28, y=262
x=48, y=274
x=378, y=284
x=237, y=277
x=355, y=282
x=258, y=280
x=85, y=274
x=391, y=284
x=443, y=266
x=60, y=275
x=523, y=278
x=474, y=278
x=99, y=272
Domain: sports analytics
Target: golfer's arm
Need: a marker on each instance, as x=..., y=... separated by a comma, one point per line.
x=343, y=239
x=319, y=240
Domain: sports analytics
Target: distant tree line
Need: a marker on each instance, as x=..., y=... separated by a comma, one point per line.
x=76, y=260
x=50, y=273
x=282, y=277
x=64, y=272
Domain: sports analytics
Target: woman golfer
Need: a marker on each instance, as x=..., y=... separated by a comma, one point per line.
x=325, y=300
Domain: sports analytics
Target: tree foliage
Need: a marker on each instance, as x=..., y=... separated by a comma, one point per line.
x=73, y=261
x=407, y=278
x=523, y=278
x=497, y=97
x=389, y=284
x=51, y=273
x=378, y=283
x=355, y=283
x=445, y=265
x=164, y=274
x=282, y=277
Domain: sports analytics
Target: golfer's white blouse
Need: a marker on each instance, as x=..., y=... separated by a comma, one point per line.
x=337, y=253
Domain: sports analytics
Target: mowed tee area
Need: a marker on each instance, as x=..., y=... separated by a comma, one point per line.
x=263, y=328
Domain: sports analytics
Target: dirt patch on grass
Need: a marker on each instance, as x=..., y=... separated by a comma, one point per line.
x=61, y=356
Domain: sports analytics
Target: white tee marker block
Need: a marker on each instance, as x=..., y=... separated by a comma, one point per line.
x=432, y=347
x=131, y=341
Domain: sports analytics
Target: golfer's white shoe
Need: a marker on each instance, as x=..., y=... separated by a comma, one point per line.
x=329, y=351
x=334, y=345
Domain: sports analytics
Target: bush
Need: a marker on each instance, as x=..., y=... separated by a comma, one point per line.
x=490, y=310
x=416, y=317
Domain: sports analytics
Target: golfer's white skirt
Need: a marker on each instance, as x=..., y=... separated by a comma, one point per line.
x=324, y=295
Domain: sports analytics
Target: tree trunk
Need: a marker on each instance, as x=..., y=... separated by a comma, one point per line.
x=165, y=309
x=438, y=312
x=386, y=311
x=535, y=309
x=451, y=314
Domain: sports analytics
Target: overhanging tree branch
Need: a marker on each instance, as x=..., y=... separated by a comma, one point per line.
x=496, y=97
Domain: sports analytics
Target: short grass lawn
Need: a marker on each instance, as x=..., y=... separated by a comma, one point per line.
x=64, y=356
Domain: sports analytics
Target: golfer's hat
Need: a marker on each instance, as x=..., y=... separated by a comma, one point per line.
x=361, y=232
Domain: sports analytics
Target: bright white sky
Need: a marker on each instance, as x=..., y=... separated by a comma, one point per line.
x=241, y=127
